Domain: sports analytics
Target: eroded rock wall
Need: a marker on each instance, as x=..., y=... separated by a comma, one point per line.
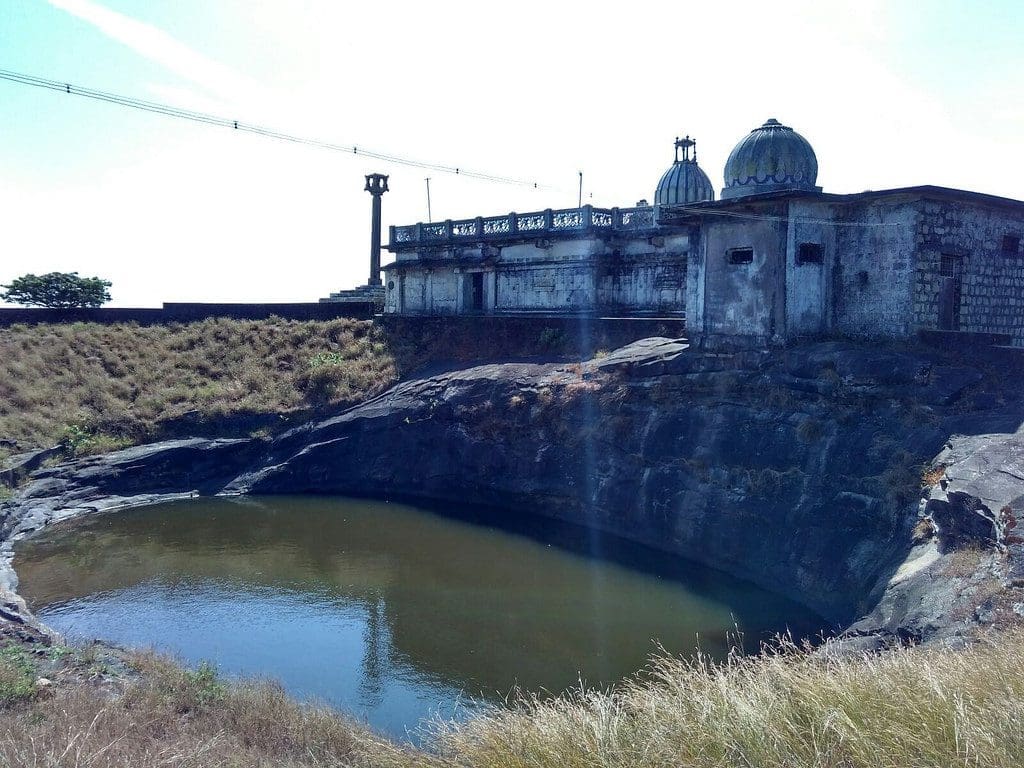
x=800, y=470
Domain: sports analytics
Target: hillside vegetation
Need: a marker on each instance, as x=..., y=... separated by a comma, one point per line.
x=912, y=707
x=99, y=386
x=96, y=387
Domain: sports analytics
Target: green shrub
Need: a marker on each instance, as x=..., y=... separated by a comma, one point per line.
x=551, y=338
x=57, y=290
x=902, y=478
x=810, y=430
x=82, y=441
x=17, y=675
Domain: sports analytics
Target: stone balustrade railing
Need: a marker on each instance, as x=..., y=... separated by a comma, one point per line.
x=517, y=225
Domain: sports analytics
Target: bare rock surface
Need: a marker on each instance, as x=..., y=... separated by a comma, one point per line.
x=800, y=470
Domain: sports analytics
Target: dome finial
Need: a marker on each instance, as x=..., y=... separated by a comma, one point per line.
x=685, y=145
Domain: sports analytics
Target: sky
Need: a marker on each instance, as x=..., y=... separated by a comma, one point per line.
x=890, y=93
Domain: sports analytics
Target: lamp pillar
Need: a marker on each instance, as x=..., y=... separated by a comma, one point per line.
x=376, y=185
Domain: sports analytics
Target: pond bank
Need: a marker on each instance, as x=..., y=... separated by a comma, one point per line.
x=799, y=470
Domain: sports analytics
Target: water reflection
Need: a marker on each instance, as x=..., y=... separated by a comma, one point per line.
x=384, y=610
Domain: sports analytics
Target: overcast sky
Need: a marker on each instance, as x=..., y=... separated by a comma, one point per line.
x=888, y=93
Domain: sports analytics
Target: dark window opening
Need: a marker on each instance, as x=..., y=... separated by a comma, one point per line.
x=951, y=270
x=476, y=298
x=951, y=266
x=740, y=255
x=1011, y=244
x=810, y=253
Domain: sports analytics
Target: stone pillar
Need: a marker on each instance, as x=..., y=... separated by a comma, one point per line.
x=376, y=185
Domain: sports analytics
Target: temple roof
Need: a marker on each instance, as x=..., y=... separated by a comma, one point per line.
x=772, y=158
x=684, y=181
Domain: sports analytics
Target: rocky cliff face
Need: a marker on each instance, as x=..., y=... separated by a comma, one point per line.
x=800, y=470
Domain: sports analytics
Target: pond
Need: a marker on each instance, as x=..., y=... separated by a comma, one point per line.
x=386, y=611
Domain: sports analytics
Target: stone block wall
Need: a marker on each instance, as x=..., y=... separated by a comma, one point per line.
x=873, y=268
x=991, y=280
x=182, y=312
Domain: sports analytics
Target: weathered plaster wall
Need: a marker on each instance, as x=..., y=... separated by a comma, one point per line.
x=550, y=286
x=639, y=274
x=647, y=282
x=745, y=299
x=429, y=291
x=413, y=290
x=392, y=292
x=808, y=284
x=873, y=268
x=992, y=282
x=552, y=250
x=696, y=279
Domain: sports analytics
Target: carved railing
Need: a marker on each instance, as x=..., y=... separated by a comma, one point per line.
x=516, y=225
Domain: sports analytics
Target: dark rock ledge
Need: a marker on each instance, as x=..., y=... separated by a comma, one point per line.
x=798, y=470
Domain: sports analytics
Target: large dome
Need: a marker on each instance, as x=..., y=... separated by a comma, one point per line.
x=772, y=158
x=684, y=182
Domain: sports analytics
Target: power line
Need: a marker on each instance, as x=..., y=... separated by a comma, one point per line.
x=223, y=122
x=353, y=149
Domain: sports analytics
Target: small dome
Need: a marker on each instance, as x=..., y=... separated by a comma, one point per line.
x=684, y=182
x=772, y=158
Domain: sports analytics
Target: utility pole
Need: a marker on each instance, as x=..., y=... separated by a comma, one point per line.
x=429, y=219
x=580, y=204
x=376, y=185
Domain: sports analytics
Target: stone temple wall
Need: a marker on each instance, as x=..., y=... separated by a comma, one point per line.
x=873, y=268
x=970, y=268
x=641, y=275
x=809, y=275
x=876, y=265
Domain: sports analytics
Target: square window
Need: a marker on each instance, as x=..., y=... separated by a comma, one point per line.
x=1011, y=244
x=810, y=253
x=740, y=255
x=951, y=266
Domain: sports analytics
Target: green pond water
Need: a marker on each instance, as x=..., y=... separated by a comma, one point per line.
x=389, y=612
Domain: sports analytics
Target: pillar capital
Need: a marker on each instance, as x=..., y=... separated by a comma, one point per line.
x=376, y=184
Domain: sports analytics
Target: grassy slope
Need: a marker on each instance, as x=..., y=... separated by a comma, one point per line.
x=907, y=708
x=99, y=387
x=104, y=385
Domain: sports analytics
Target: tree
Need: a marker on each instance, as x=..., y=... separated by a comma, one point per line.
x=57, y=290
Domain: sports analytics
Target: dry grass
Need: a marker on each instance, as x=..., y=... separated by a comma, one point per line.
x=98, y=387
x=176, y=717
x=910, y=707
x=811, y=430
x=933, y=475
x=964, y=562
x=906, y=708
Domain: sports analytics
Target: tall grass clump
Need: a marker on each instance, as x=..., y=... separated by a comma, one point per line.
x=784, y=709
x=920, y=708
x=17, y=681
